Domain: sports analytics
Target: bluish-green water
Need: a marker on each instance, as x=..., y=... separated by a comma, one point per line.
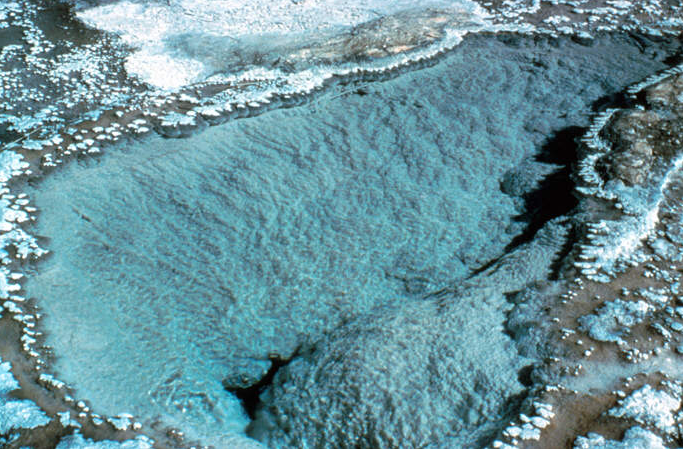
x=180, y=264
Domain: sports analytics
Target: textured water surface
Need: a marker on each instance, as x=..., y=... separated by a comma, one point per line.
x=179, y=266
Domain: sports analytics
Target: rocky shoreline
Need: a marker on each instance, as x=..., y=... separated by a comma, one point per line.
x=613, y=365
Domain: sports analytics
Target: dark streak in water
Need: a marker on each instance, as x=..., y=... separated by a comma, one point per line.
x=250, y=396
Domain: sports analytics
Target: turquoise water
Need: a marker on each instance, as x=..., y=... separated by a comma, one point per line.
x=179, y=266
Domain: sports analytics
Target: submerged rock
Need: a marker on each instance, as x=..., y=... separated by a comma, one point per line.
x=407, y=376
x=422, y=374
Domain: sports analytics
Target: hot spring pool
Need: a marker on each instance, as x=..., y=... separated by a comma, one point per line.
x=181, y=267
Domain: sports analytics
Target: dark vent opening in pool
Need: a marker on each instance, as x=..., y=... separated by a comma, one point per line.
x=185, y=270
